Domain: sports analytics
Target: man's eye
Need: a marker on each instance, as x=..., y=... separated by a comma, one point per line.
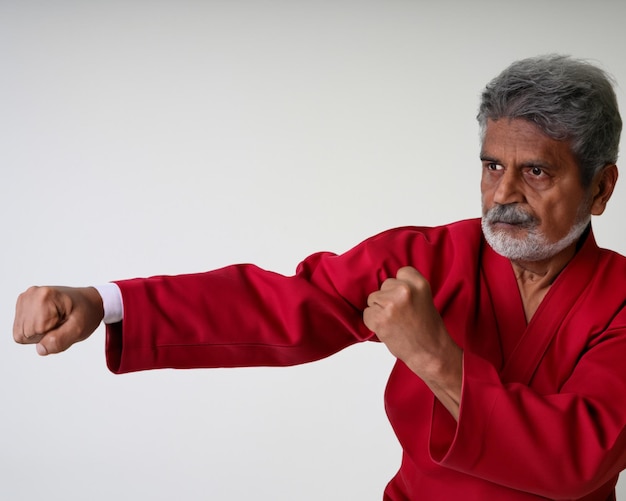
x=493, y=166
x=536, y=172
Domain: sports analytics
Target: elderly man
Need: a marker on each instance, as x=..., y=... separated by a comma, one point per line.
x=510, y=331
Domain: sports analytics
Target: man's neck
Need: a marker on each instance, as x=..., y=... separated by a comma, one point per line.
x=534, y=278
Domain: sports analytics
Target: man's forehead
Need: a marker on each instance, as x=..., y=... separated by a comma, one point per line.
x=514, y=136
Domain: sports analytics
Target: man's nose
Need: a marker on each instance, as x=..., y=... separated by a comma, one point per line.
x=509, y=188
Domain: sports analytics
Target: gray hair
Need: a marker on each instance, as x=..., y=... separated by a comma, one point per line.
x=568, y=99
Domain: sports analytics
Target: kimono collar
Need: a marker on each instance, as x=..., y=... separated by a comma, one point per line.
x=535, y=337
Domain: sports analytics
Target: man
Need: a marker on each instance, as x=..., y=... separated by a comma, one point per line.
x=510, y=332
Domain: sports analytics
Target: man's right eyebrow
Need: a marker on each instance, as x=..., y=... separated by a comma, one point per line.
x=488, y=158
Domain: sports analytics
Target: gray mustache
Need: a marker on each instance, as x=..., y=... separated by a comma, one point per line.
x=509, y=214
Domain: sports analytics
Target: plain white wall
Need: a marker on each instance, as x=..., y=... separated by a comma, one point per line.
x=149, y=137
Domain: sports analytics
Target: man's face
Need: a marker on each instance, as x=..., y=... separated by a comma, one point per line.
x=534, y=205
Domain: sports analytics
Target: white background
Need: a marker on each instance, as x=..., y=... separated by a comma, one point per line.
x=150, y=137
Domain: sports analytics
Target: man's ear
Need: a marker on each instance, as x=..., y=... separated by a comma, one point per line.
x=602, y=188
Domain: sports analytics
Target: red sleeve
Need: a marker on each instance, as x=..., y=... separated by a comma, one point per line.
x=245, y=316
x=236, y=316
x=561, y=446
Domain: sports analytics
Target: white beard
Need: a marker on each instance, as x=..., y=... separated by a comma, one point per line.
x=534, y=246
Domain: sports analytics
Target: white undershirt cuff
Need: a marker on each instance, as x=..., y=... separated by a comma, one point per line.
x=111, y=302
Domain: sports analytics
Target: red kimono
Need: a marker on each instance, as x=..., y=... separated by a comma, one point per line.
x=543, y=407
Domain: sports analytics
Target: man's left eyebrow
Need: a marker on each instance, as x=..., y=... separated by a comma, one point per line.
x=538, y=163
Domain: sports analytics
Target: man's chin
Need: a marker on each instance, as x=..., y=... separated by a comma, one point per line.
x=511, y=248
x=510, y=240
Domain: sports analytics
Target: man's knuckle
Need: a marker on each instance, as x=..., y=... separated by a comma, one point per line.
x=40, y=326
x=47, y=293
x=423, y=286
x=388, y=284
x=54, y=343
x=406, y=272
x=404, y=291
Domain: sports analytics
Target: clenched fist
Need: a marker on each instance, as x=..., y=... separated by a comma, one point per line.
x=56, y=317
x=403, y=316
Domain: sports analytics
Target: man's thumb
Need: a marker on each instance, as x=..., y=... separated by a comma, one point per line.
x=56, y=341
